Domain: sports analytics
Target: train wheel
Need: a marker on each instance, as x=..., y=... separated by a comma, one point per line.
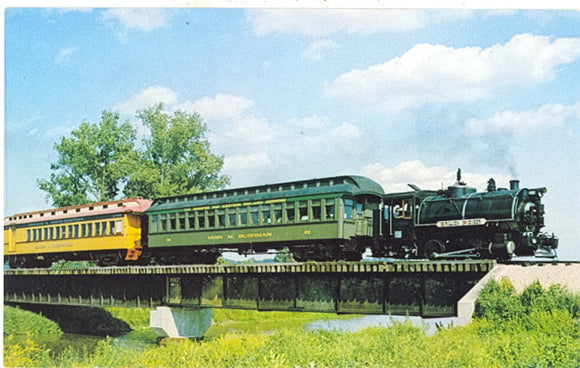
x=109, y=259
x=432, y=248
x=28, y=262
x=196, y=257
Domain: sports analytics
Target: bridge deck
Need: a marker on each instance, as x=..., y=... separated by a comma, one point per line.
x=424, y=288
x=261, y=268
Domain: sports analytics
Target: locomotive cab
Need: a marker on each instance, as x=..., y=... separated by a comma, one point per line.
x=399, y=218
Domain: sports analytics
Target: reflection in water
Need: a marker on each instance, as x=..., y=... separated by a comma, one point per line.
x=358, y=323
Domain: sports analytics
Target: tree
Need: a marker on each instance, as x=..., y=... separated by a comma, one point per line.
x=177, y=157
x=100, y=162
x=93, y=163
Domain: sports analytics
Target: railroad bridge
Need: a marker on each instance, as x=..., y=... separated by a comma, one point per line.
x=184, y=295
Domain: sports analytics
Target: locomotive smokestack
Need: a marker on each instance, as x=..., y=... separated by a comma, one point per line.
x=514, y=184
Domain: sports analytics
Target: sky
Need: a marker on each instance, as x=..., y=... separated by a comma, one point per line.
x=399, y=96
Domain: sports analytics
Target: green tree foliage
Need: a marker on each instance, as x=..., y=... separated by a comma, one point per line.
x=177, y=157
x=102, y=162
x=93, y=162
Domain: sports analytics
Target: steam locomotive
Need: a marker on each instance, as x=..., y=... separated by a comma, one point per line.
x=336, y=218
x=460, y=222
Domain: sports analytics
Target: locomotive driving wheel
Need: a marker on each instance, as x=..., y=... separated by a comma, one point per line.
x=432, y=248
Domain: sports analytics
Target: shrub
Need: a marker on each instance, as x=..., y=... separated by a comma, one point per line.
x=538, y=328
x=498, y=302
x=18, y=321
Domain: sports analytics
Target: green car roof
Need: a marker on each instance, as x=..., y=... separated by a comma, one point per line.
x=349, y=185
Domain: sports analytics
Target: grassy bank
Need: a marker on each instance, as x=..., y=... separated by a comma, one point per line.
x=538, y=328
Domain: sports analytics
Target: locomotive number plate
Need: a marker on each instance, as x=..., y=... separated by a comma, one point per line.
x=467, y=222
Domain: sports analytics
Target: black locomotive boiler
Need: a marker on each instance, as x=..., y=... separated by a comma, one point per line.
x=460, y=222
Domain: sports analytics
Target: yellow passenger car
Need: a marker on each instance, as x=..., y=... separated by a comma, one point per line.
x=107, y=232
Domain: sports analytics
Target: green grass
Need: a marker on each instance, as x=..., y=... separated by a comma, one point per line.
x=538, y=328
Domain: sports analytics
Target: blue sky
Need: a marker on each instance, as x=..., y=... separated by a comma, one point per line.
x=400, y=96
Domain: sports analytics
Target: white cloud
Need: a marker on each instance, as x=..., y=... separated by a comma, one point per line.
x=223, y=106
x=323, y=22
x=523, y=122
x=315, y=135
x=64, y=55
x=147, y=98
x=440, y=74
x=311, y=123
x=240, y=162
x=347, y=137
x=316, y=50
x=395, y=179
x=249, y=131
x=143, y=19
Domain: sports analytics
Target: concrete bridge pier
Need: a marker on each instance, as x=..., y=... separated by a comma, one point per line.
x=175, y=322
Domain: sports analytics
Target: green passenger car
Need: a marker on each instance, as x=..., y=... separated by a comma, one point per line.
x=319, y=219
